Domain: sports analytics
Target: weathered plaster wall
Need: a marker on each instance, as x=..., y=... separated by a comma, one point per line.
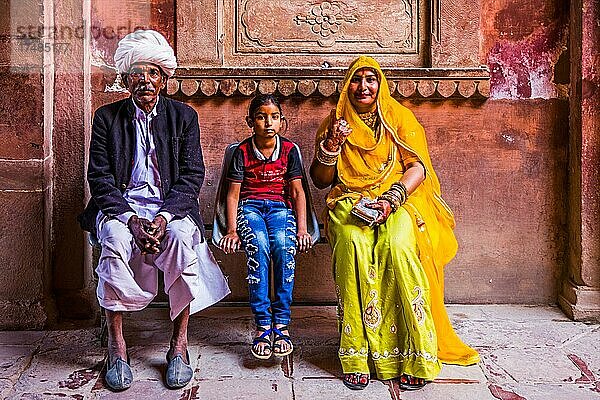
x=502, y=169
x=502, y=162
x=523, y=43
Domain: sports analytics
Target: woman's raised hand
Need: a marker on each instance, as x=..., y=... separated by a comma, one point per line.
x=337, y=133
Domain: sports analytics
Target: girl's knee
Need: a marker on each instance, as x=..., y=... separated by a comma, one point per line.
x=289, y=272
x=284, y=245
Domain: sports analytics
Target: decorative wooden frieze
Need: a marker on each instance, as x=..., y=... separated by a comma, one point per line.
x=267, y=86
x=404, y=83
x=426, y=88
x=466, y=88
x=209, y=87
x=392, y=86
x=483, y=87
x=446, y=88
x=327, y=87
x=172, y=86
x=247, y=87
x=406, y=87
x=297, y=33
x=326, y=26
x=307, y=87
x=228, y=86
x=287, y=87
x=189, y=87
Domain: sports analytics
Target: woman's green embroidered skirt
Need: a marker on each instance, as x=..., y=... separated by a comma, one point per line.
x=383, y=296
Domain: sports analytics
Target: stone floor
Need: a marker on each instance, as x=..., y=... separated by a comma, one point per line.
x=527, y=353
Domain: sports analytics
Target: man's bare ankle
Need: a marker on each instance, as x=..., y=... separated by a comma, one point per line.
x=115, y=354
x=178, y=348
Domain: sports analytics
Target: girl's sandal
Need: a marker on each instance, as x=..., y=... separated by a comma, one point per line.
x=409, y=382
x=265, y=338
x=356, y=381
x=279, y=337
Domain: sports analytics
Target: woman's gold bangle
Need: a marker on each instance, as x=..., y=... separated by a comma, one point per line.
x=325, y=156
x=396, y=195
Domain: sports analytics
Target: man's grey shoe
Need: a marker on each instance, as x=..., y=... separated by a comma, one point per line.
x=119, y=375
x=179, y=373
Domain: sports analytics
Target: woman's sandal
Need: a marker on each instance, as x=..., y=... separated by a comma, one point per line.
x=279, y=337
x=409, y=382
x=356, y=381
x=265, y=337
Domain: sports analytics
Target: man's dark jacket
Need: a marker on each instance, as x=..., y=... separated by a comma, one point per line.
x=177, y=140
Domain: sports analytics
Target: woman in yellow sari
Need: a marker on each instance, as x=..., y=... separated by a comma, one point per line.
x=388, y=273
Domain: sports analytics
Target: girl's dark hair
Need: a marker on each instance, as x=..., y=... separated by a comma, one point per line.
x=261, y=100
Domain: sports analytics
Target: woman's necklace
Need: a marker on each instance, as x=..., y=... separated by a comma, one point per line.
x=370, y=119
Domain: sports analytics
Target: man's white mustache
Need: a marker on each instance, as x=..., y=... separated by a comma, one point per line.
x=148, y=88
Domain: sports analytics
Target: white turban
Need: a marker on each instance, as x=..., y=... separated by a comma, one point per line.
x=145, y=46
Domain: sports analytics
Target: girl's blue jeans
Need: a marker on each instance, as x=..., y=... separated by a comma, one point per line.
x=267, y=230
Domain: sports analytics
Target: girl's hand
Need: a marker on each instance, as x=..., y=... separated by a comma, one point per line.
x=337, y=133
x=385, y=209
x=230, y=243
x=304, y=241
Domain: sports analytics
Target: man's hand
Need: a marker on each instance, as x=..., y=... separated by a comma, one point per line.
x=158, y=227
x=139, y=228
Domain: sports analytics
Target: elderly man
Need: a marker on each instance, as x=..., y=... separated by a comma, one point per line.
x=145, y=172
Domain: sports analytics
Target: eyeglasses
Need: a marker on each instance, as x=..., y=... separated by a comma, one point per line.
x=138, y=72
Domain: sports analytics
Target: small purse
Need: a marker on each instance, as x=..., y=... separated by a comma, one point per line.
x=364, y=213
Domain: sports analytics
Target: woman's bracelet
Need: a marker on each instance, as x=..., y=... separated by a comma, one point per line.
x=400, y=187
x=396, y=195
x=390, y=198
x=325, y=156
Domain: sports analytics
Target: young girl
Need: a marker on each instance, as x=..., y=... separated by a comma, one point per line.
x=265, y=191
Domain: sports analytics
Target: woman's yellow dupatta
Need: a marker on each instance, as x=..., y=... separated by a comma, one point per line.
x=369, y=164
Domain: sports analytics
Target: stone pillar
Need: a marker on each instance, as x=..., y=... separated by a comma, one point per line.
x=26, y=162
x=71, y=275
x=580, y=297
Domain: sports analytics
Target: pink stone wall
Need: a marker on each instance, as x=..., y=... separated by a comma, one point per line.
x=25, y=300
x=502, y=161
x=503, y=172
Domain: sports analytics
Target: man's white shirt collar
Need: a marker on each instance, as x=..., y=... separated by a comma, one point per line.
x=141, y=114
